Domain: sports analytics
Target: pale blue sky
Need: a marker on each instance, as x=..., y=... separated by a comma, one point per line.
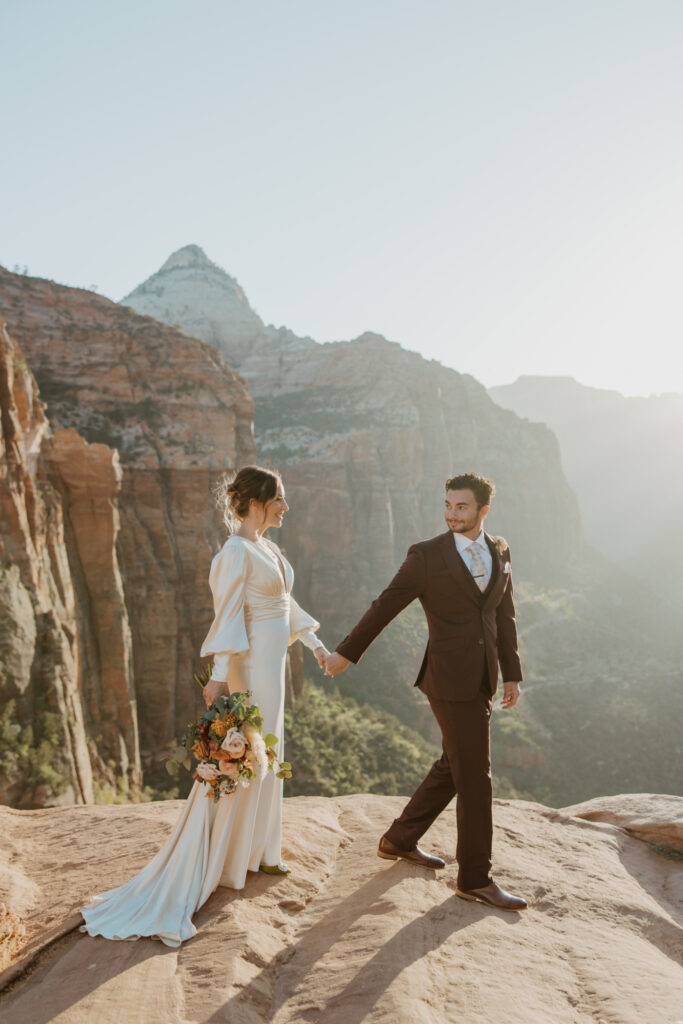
x=497, y=185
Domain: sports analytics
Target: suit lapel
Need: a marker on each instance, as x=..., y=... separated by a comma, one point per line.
x=496, y=568
x=456, y=564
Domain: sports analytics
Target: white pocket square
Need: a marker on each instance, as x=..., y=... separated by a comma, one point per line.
x=507, y=567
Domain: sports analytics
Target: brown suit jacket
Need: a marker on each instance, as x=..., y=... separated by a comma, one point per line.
x=470, y=632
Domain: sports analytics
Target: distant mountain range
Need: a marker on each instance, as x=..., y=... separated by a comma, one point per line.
x=624, y=459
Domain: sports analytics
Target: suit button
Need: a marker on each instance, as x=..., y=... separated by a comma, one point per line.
x=481, y=642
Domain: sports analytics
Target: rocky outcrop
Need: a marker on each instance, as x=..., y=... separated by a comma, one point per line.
x=92, y=475
x=347, y=937
x=651, y=817
x=44, y=756
x=177, y=416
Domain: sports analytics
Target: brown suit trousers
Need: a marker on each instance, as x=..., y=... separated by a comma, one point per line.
x=463, y=771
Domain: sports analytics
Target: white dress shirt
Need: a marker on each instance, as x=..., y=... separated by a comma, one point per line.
x=463, y=543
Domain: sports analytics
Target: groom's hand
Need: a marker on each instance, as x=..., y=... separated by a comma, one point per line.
x=511, y=693
x=336, y=663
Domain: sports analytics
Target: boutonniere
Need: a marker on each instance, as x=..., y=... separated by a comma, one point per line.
x=501, y=548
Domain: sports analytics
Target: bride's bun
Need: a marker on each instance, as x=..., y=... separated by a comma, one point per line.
x=235, y=491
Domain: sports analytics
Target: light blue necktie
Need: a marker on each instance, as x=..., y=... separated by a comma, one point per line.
x=481, y=577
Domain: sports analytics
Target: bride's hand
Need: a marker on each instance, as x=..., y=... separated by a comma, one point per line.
x=321, y=655
x=215, y=688
x=336, y=663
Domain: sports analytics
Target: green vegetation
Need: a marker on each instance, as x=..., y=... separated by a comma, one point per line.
x=32, y=757
x=339, y=746
x=602, y=695
x=119, y=790
x=323, y=410
x=145, y=411
x=663, y=850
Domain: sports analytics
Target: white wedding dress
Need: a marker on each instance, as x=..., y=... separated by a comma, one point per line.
x=256, y=619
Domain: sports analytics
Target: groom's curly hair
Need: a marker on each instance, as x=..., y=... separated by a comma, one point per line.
x=482, y=488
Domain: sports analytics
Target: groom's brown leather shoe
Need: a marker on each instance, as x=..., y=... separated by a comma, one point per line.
x=493, y=896
x=416, y=855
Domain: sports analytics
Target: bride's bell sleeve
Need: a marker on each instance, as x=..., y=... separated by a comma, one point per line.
x=228, y=633
x=302, y=626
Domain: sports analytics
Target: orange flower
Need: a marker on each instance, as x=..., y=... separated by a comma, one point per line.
x=200, y=750
x=219, y=728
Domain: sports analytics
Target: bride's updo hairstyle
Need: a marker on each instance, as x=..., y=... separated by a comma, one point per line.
x=234, y=493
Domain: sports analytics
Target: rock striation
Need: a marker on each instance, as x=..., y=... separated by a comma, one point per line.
x=177, y=417
x=47, y=635
x=348, y=937
x=91, y=478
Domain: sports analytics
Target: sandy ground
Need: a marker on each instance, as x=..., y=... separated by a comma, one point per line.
x=349, y=937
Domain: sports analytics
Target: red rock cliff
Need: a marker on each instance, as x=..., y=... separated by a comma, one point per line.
x=44, y=756
x=178, y=417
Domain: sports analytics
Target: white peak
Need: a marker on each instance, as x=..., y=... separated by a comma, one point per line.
x=188, y=256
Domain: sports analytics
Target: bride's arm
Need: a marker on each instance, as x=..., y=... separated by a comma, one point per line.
x=228, y=633
x=302, y=626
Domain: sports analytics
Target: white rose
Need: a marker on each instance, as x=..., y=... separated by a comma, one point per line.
x=208, y=772
x=235, y=742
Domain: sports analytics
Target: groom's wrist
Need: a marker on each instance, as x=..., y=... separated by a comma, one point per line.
x=348, y=656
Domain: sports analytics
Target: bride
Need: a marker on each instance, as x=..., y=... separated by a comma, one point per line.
x=255, y=620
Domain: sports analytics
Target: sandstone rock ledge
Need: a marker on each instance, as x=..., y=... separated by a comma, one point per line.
x=347, y=937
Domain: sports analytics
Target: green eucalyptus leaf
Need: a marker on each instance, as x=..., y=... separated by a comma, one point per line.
x=270, y=740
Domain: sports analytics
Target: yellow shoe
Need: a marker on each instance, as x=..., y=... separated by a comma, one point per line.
x=275, y=869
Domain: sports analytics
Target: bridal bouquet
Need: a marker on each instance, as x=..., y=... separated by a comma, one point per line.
x=224, y=748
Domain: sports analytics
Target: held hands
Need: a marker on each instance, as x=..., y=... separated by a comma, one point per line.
x=330, y=661
x=511, y=694
x=335, y=664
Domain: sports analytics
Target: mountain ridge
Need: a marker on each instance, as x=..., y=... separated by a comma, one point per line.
x=622, y=456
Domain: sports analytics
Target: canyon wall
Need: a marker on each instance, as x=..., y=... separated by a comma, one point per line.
x=177, y=417
x=66, y=694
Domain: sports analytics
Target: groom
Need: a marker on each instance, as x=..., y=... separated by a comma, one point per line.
x=463, y=581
